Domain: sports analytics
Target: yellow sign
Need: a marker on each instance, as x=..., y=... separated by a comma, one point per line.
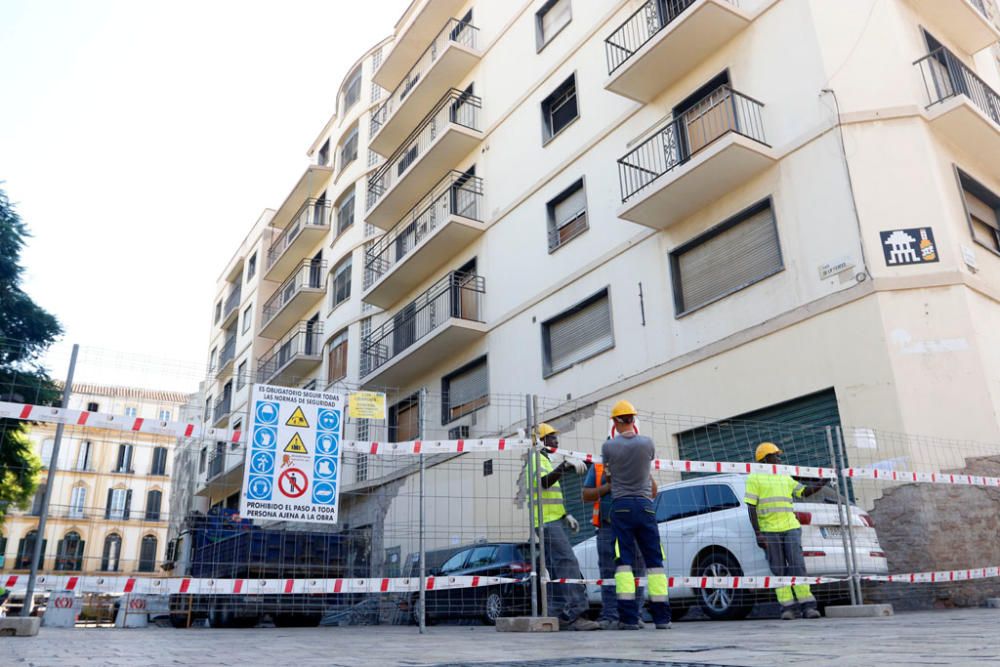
x=366, y=405
x=296, y=446
x=298, y=419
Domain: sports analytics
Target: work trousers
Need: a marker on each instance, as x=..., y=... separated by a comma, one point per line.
x=565, y=601
x=784, y=555
x=633, y=520
x=606, y=564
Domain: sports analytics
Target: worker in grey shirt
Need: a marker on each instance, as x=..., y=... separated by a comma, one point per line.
x=628, y=457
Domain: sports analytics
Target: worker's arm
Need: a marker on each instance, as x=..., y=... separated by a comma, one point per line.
x=811, y=486
x=655, y=488
x=752, y=511
x=593, y=494
x=554, y=476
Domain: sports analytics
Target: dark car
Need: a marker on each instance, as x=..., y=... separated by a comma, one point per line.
x=494, y=559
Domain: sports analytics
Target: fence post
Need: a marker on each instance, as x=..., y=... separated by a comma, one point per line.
x=43, y=514
x=422, y=595
x=841, y=512
x=528, y=478
x=537, y=487
x=856, y=575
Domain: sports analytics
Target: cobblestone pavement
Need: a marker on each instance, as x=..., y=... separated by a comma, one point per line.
x=944, y=637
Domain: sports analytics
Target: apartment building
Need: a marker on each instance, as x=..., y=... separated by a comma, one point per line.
x=782, y=210
x=110, y=494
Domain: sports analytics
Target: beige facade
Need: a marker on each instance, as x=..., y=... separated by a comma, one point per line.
x=111, y=493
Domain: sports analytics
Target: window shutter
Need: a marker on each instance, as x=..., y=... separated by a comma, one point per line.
x=557, y=16
x=470, y=385
x=107, y=507
x=729, y=261
x=128, y=504
x=580, y=334
x=979, y=209
x=570, y=207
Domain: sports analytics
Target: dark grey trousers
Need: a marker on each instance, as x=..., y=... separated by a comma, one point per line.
x=566, y=601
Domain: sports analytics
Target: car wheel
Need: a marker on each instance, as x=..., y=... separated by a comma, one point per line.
x=722, y=604
x=492, y=607
x=179, y=621
x=220, y=618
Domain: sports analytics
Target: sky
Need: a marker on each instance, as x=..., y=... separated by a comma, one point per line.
x=141, y=140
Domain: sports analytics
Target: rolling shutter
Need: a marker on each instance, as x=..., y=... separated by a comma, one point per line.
x=580, y=334
x=469, y=385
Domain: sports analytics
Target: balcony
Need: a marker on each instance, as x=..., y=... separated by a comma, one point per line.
x=221, y=410
x=426, y=331
x=414, y=31
x=300, y=292
x=446, y=135
x=444, y=63
x=231, y=307
x=698, y=157
x=962, y=107
x=226, y=357
x=310, y=185
x=446, y=220
x=291, y=358
x=290, y=245
x=666, y=39
x=964, y=22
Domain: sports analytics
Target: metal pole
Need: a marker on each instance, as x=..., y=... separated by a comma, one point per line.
x=536, y=453
x=43, y=515
x=423, y=551
x=529, y=487
x=856, y=575
x=840, y=514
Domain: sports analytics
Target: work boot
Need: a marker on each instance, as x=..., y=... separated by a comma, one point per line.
x=811, y=612
x=607, y=624
x=789, y=615
x=582, y=624
x=664, y=626
x=627, y=626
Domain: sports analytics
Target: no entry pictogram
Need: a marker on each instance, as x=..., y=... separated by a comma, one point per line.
x=293, y=483
x=63, y=602
x=137, y=603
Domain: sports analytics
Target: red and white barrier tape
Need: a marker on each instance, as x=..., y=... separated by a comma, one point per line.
x=766, y=582
x=436, y=446
x=929, y=477
x=945, y=576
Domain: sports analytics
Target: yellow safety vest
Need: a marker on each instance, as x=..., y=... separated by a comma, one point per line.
x=772, y=494
x=552, y=498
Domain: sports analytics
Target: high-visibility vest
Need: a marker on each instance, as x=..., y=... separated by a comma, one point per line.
x=552, y=498
x=772, y=494
x=598, y=477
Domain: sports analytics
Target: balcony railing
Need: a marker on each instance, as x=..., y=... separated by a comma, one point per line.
x=945, y=76
x=314, y=213
x=303, y=341
x=457, y=295
x=216, y=463
x=641, y=27
x=228, y=352
x=454, y=31
x=722, y=111
x=307, y=276
x=222, y=408
x=232, y=302
x=456, y=107
x=456, y=194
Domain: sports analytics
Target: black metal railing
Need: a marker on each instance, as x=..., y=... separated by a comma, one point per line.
x=216, y=463
x=454, y=32
x=456, y=194
x=455, y=108
x=457, y=295
x=308, y=276
x=222, y=408
x=720, y=112
x=228, y=352
x=304, y=340
x=945, y=76
x=314, y=213
x=232, y=302
x=641, y=27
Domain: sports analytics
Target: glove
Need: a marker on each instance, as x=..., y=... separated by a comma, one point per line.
x=576, y=465
x=574, y=525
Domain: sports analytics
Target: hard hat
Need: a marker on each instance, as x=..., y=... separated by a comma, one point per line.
x=544, y=430
x=765, y=448
x=623, y=408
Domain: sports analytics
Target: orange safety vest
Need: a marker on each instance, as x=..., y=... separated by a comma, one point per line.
x=598, y=475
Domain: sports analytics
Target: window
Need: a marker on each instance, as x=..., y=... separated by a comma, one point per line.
x=166, y=415
x=78, y=502
x=311, y=385
x=352, y=90
x=48, y=444
x=456, y=562
x=119, y=504
x=159, y=466
x=251, y=267
x=550, y=20
x=559, y=109
x=153, y=499
x=481, y=556
x=341, y=289
x=213, y=357
x=218, y=311
x=247, y=318
x=83, y=456
x=38, y=499
x=124, y=463
x=147, y=554
x=567, y=215
x=349, y=148
x=337, y=358
x=404, y=420
x=680, y=503
x=345, y=212
x=983, y=210
x=241, y=375
x=577, y=334
x=3, y=550
x=735, y=254
x=93, y=407
x=131, y=411
x=465, y=391
x=720, y=497
x=203, y=460
x=323, y=157
x=111, y=554
x=69, y=552
x=26, y=551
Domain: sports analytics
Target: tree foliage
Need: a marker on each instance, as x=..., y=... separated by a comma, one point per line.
x=26, y=332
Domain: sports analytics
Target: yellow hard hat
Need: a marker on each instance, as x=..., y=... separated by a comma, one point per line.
x=623, y=408
x=765, y=448
x=544, y=430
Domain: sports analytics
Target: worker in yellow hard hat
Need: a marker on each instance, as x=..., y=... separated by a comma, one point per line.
x=628, y=457
x=770, y=503
x=567, y=602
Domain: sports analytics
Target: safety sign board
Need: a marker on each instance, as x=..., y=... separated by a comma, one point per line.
x=292, y=470
x=366, y=405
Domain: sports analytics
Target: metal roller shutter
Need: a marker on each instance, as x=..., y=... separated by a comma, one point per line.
x=580, y=334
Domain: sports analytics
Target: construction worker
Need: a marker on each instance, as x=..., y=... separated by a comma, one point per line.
x=567, y=602
x=597, y=489
x=769, y=500
x=627, y=457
